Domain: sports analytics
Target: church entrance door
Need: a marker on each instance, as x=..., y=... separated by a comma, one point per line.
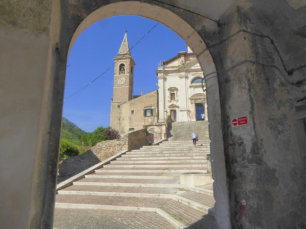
x=173, y=115
x=199, y=111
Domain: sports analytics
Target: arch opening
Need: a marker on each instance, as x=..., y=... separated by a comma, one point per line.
x=197, y=44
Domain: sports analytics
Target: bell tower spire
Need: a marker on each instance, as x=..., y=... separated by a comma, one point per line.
x=124, y=48
x=123, y=80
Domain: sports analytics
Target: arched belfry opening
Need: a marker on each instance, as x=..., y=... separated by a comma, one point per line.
x=195, y=43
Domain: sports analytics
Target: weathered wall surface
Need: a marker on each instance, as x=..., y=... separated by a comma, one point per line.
x=25, y=68
x=106, y=149
x=136, y=139
x=258, y=49
x=262, y=74
x=132, y=113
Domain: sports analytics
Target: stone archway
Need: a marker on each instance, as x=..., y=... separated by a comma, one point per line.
x=164, y=15
x=260, y=59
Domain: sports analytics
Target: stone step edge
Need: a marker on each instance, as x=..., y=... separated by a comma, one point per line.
x=139, y=185
x=162, y=213
x=175, y=148
x=131, y=177
x=165, y=155
x=181, y=158
x=202, y=165
x=190, y=203
x=154, y=152
x=151, y=171
x=185, y=162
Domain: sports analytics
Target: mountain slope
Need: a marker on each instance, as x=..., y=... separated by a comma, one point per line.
x=71, y=132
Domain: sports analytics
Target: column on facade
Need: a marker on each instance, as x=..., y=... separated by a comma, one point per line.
x=206, y=110
x=187, y=118
x=161, y=98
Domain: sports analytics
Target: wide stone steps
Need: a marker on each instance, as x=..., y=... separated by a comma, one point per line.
x=142, y=182
x=181, y=131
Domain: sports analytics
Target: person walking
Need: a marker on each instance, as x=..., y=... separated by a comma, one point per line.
x=194, y=138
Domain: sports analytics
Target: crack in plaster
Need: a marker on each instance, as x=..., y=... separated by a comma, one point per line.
x=189, y=11
x=288, y=71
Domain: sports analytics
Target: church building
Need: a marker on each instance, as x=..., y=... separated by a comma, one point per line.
x=180, y=96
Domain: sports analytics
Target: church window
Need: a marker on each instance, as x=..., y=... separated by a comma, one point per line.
x=121, y=69
x=148, y=112
x=197, y=80
x=132, y=111
x=172, y=96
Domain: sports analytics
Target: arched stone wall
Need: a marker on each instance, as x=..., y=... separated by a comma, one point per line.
x=257, y=49
x=197, y=44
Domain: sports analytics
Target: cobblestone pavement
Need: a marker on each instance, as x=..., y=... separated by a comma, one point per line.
x=97, y=219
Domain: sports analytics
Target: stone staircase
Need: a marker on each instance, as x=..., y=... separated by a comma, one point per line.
x=179, y=131
x=141, y=189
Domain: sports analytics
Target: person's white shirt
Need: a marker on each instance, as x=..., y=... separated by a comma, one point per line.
x=194, y=135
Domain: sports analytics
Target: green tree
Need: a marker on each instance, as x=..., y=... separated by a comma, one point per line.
x=93, y=138
x=111, y=133
x=68, y=149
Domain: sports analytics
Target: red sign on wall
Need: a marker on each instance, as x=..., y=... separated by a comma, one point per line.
x=243, y=120
x=235, y=122
x=240, y=121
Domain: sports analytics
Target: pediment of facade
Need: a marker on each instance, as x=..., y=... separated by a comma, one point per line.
x=173, y=106
x=198, y=95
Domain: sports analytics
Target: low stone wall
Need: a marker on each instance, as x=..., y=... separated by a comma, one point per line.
x=106, y=149
x=137, y=139
x=100, y=152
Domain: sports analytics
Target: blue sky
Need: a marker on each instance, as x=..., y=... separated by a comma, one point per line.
x=93, y=53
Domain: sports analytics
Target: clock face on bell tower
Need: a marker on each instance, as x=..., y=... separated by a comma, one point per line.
x=121, y=80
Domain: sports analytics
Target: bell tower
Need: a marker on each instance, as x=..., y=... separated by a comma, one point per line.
x=123, y=81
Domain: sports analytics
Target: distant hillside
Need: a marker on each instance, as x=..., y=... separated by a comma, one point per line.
x=71, y=132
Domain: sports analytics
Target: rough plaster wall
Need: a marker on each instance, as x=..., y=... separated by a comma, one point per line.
x=261, y=66
x=24, y=45
x=18, y=102
x=115, y=116
x=124, y=111
x=137, y=139
x=137, y=120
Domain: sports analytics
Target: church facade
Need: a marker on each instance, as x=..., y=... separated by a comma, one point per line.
x=180, y=96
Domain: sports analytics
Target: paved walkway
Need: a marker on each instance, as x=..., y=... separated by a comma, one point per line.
x=140, y=190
